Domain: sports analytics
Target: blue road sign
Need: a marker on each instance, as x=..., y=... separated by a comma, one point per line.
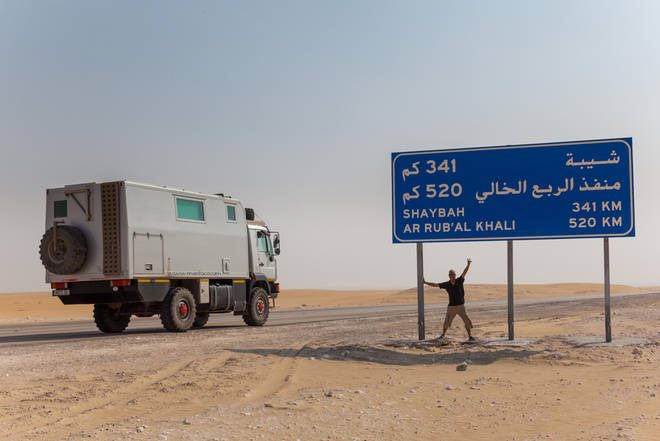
x=537, y=191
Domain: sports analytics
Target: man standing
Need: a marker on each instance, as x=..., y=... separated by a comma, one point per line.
x=456, y=306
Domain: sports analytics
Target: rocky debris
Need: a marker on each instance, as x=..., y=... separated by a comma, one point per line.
x=186, y=421
x=141, y=428
x=449, y=387
x=462, y=367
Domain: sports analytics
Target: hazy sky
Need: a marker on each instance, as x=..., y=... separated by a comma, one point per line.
x=294, y=107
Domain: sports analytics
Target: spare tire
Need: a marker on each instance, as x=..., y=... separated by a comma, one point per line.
x=63, y=251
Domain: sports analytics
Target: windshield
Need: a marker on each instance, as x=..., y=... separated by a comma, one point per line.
x=270, y=245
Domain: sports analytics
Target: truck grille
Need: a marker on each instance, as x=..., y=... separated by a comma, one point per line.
x=111, y=232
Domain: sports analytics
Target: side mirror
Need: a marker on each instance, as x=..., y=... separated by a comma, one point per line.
x=276, y=245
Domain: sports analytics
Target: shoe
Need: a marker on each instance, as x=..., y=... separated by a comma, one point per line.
x=471, y=339
x=442, y=337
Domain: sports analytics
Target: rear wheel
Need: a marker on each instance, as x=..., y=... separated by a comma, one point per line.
x=201, y=319
x=109, y=320
x=257, y=313
x=178, y=311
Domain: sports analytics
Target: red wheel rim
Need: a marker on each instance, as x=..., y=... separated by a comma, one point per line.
x=183, y=309
x=260, y=306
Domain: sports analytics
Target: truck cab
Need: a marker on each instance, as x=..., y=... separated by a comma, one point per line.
x=264, y=246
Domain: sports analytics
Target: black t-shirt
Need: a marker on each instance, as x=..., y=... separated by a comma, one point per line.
x=455, y=291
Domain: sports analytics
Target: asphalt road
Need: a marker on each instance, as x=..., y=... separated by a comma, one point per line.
x=48, y=332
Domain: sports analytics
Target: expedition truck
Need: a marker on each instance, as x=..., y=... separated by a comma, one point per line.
x=139, y=249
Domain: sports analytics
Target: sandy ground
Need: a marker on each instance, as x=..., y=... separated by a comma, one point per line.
x=42, y=306
x=365, y=379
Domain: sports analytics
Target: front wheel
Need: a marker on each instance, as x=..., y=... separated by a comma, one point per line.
x=257, y=313
x=178, y=310
x=109, y=320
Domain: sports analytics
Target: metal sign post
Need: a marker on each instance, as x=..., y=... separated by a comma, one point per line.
x=509, y=280
x=606, y=261
x=420, y=291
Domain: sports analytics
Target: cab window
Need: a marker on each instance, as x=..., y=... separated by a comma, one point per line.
x=262, y=243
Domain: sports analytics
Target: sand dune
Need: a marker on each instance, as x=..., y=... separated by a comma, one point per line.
x=40, y=306
x=317, y=298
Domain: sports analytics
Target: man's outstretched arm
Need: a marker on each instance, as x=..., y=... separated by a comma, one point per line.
x=467, y=267
x=437, y=285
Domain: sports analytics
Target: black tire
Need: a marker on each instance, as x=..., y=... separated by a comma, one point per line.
x=201, y=319
x=178, y=311
x=257, y=313
x=109, y=320
x=68, y=254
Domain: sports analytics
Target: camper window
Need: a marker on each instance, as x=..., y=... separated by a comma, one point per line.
x=60, y=208
x=231, y=213
x=189, y=209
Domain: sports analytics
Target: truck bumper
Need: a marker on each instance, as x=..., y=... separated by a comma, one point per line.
x=139, y=291
x=274, y=289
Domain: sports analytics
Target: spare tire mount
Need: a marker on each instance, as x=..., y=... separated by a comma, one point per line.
x=63, y=249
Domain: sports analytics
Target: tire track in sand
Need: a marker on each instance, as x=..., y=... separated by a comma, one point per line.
x=177, y=384
x=278, y=378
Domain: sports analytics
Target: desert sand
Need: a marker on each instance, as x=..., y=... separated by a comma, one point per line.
x=359, y=379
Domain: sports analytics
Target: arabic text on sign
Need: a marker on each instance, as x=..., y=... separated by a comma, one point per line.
x=448, y=165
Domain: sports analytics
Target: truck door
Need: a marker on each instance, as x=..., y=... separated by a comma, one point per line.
x=266, y=262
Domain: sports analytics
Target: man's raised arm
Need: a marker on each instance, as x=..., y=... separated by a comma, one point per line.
x=467, y=267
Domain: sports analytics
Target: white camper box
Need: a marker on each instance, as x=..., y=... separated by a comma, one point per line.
x=141, y=243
